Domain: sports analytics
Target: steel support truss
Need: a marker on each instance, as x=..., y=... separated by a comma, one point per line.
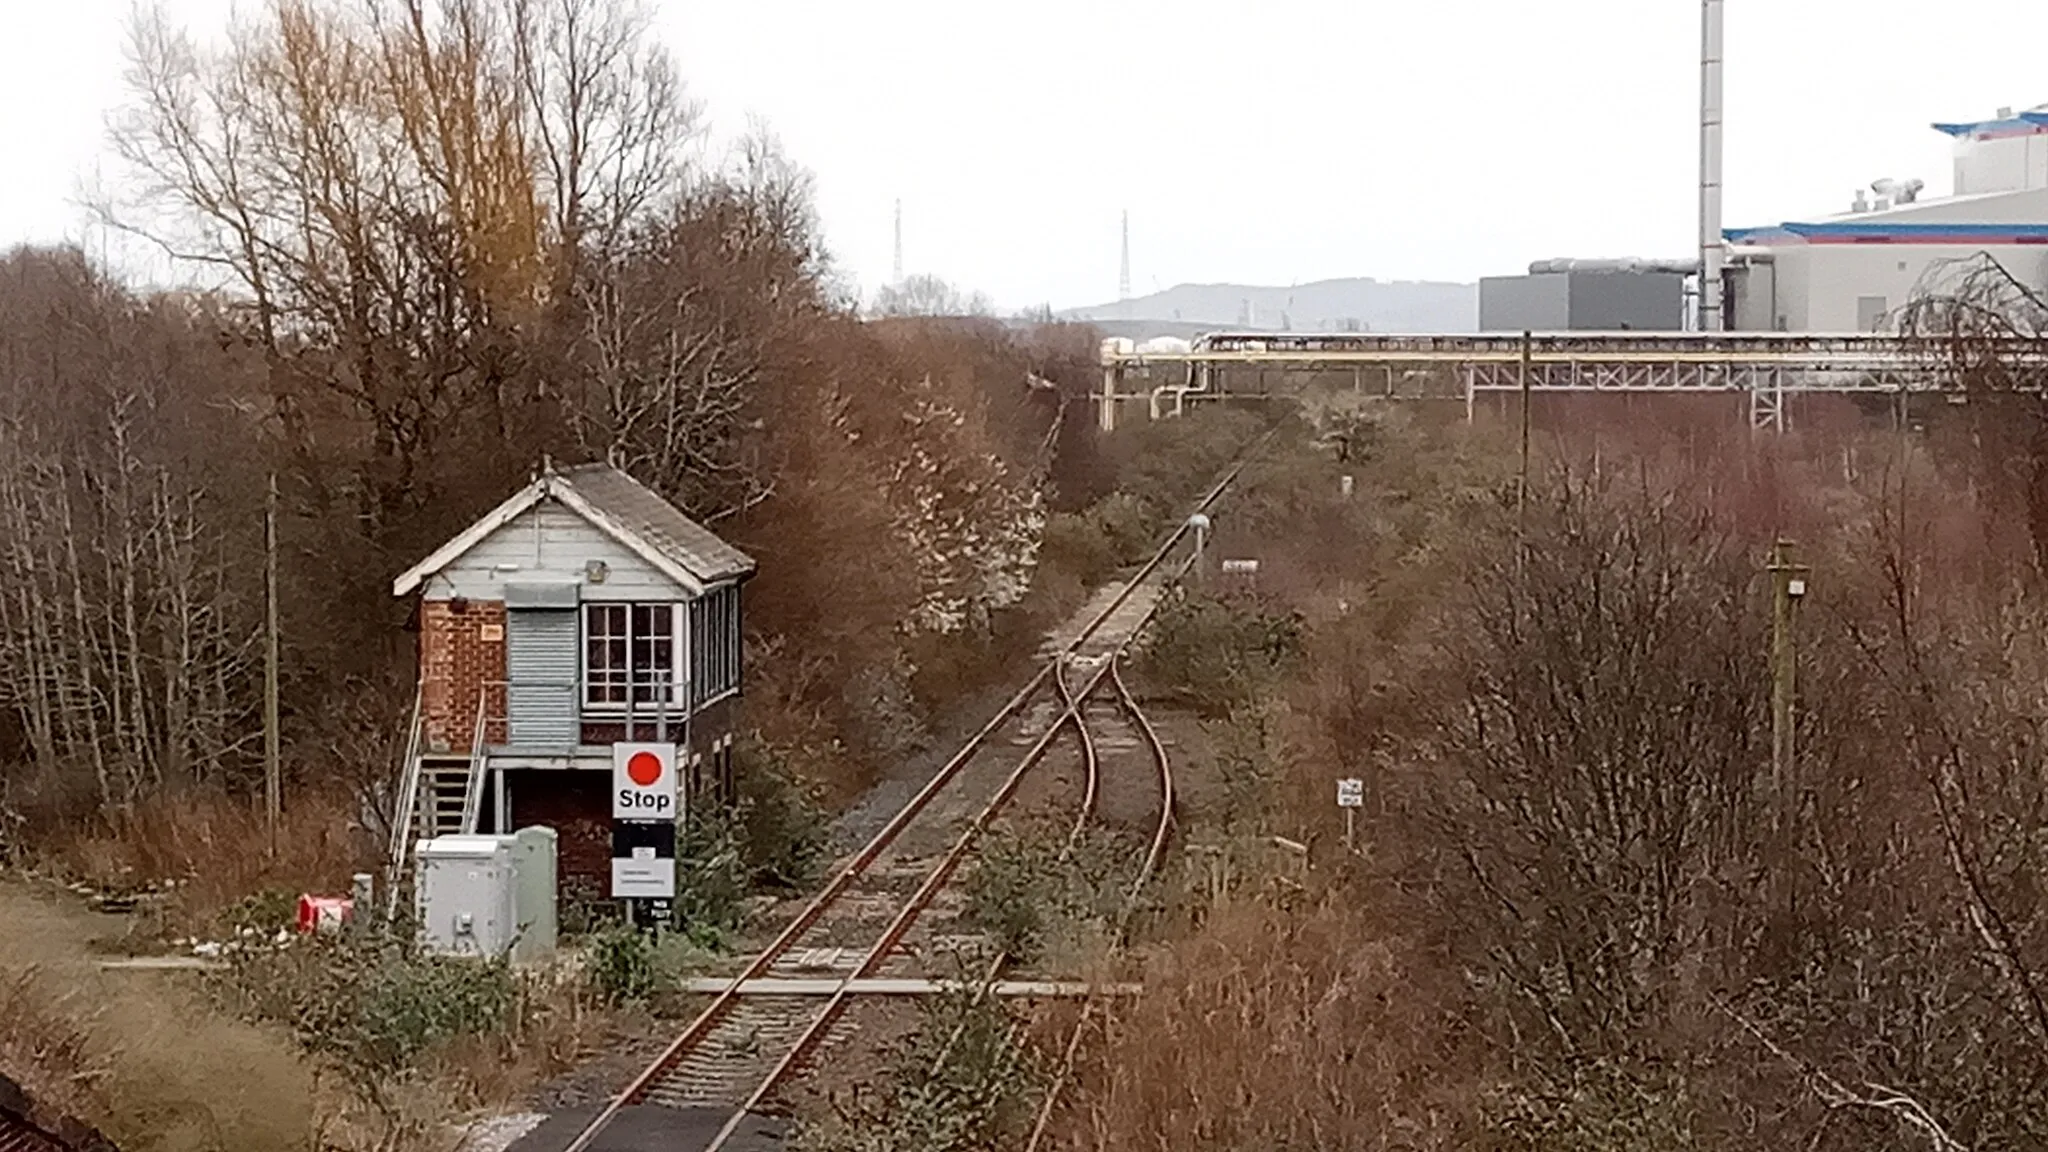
x=1766, y=367
x=1765, y=384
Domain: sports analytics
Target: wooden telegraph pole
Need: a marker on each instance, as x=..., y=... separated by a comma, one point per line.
x=273, y=786
x=1788, y=586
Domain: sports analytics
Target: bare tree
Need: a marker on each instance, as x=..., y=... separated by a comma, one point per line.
x=1604, y=761
x=402, y=191
x=924, y=295
x=1988, y=334
x=683, y=317
x=124, y=622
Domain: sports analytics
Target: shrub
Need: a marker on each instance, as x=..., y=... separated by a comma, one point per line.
x=1216, y=653
x=619, y=963
x=711, y=879
x=1036, y=899
x=1595, y=1108
x=372, y=1000
x=1246, y=758
x=1076, y=547
x=1008, y=893
x=1165, y=464
x=262, y=912
x=782, y=818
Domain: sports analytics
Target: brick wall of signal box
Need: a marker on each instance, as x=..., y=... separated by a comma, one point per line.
x=462, y=650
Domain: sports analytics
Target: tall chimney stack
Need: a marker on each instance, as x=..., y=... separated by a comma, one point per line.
x=896, y=274
x=1123, y=279
x=1713, y=251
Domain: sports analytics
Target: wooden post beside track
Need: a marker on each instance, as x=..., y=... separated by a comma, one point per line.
x=1522, y=485
x=1788, y=586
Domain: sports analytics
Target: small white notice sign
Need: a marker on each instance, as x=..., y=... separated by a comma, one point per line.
x=642, y=878
x=1350, y=793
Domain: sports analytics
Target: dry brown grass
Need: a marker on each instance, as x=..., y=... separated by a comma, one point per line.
x=214, y=848
x=1313, y=1028
x=141, y=1057
x=155, y=1063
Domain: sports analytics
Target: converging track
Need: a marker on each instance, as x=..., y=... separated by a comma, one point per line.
x=884, y=913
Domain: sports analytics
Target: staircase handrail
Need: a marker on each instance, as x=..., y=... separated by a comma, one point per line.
x=405, y=815
x=473, y=793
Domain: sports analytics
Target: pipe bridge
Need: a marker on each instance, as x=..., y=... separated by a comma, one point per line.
x=1766, y=367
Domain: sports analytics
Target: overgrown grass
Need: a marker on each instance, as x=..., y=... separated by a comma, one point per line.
x=966, y=1081
x=146, y=1059
x=206, y=860
x=384, y=1015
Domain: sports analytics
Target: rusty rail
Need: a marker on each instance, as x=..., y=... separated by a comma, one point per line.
x=722, y=1003
x=900, y=926
x=1091, y=762
x=1162, y=833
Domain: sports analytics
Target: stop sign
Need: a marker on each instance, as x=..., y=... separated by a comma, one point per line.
x=644, y=782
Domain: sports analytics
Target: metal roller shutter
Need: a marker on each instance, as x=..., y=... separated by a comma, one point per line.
x=541, y=662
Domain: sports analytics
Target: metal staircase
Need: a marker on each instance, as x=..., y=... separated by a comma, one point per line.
x=439, y=793
x=444, y=789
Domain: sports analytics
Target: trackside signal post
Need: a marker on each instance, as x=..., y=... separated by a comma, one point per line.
x=644, y=812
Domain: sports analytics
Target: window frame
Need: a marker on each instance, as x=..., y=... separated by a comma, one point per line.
x=678, y=636
x=716, y=634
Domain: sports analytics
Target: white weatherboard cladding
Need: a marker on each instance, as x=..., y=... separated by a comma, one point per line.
x=542, y=665
x=549, y=540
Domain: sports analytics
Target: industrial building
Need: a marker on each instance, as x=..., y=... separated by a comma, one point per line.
x=1588, y=296
x=1854, y=271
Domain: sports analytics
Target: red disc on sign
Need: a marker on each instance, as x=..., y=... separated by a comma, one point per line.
x=644, y=768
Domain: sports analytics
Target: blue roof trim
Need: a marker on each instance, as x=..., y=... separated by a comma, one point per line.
x=2025, y=121
x=1881, y=228
x=1747, y=235
x=1845, y=229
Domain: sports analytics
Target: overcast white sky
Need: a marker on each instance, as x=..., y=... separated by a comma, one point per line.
x=1270, y=142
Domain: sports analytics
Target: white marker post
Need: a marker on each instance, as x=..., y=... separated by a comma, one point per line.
x=1350, y=797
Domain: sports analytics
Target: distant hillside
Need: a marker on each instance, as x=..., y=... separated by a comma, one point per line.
x=1362, y=305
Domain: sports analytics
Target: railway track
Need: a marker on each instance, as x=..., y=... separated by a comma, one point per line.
x=888, y=910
